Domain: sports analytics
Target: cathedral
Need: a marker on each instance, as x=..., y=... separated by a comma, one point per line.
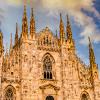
x=44, y=66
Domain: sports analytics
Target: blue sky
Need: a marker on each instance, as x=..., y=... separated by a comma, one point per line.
x=84, y=18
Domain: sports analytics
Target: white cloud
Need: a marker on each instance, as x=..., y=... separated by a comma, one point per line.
x=14, y=2
x=74, y=8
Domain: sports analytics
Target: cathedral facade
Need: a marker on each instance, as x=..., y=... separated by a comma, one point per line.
x=43, y=66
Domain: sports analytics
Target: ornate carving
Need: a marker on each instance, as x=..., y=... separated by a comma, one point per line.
x=46, y=41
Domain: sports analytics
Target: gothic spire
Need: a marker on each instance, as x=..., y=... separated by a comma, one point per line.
x=24, y=24
x=91, y=53
x=1, y=43
x=16, y=34
x=32, y=24
x=68, y=30
x=62, y=33
x=93, y=65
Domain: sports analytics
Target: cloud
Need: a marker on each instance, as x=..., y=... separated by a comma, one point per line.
x=74, y=8
x=19, y=2
x=14, y=2
x=1, y=17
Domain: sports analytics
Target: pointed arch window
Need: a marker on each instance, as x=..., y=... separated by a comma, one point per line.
x=47, y=67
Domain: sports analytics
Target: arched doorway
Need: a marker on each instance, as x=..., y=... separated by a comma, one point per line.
x=9, y=93
x=84, y=97
x=49, y=98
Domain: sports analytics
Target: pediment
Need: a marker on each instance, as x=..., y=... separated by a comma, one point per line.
x=49, y=86
x=46, y=31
